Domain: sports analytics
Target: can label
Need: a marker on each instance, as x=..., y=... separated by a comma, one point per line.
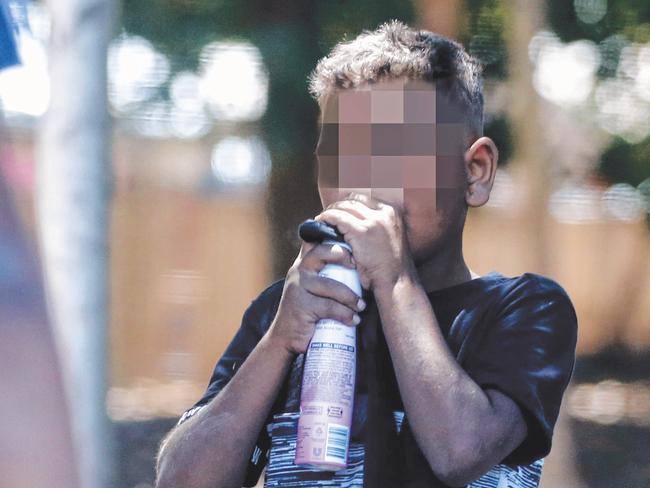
x=327, y=397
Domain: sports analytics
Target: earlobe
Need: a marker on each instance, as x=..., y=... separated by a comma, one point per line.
x=481, y=160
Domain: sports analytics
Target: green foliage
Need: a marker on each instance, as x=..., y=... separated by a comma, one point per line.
x=179, y=29
x=624, y=21
x=499, y=130
x=623, y=162
x=481, y=32
x=291, y=35
x=340, y=20
x=628, y=17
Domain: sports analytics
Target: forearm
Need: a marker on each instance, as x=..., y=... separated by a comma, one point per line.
x=445, y=407
x=212, y=448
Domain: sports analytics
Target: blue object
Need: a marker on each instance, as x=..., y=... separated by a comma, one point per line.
x=8, y=51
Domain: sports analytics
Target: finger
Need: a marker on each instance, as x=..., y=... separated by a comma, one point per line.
x=344, y=221
x=364, y=199
x=322, y=254
x=305, y=248
x=354, y=207
x=326, y=308
x=329, y=288
x=390, y=209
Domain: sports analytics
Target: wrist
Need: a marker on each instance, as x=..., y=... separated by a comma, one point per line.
x=277, y=343
x=406, y=276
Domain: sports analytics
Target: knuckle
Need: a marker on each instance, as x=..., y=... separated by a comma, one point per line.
x=344, y=294
x=342, y=315
x=347, y=313
x=330, y=308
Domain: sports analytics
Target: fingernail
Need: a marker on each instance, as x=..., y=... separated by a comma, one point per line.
x=361, y=305
x=356, y=319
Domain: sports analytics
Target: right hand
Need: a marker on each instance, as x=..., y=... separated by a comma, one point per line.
x=308, y=297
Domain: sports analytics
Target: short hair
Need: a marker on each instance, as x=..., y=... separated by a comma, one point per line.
x=395, y=50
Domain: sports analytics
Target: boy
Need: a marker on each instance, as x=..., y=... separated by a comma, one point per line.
x=460, y=376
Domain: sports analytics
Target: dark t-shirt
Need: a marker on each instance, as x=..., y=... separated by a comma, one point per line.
x=515, y=334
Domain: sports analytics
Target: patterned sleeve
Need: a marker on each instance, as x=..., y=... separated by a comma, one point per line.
x=255, y=322
x=528, y=353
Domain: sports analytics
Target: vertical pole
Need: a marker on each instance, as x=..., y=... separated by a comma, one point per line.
x=441, y=17
x=530, y=158
x=534, y=166
x=73, y=217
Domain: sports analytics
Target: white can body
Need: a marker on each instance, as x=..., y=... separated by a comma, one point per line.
x=327, y=395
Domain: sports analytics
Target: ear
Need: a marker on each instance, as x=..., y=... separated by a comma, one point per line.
x=481, y=164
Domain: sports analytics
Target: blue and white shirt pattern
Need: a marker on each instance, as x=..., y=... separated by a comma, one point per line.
x=282, y=472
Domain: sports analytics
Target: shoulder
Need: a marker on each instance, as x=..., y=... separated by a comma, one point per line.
x=535, y=287
x=270, y=295
x=539, y=304
x=264, y=306
x=544, y=284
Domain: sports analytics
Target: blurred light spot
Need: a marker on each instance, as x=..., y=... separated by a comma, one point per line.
x=628, y=62
x=184, y=90
x=642, y=81
x=575, y=204
x=234, y=82
x=25, y=89
x=620, y=111
x=135, y=71
x=37, y=21
x=623, y=202
x=188, y=124
x=153, y=120
x=590, y=11
x=644, y=192
x=610, y=52
x=565, y=74
x=541, y=41
x=611, y=402
x=187, y=117
x=241, y=161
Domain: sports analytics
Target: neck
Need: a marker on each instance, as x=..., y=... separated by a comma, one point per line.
x=445, y=267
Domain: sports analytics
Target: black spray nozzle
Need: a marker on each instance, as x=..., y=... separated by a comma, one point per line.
x=316, y=231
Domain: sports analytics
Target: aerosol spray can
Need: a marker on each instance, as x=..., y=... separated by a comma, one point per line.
x=327, y=395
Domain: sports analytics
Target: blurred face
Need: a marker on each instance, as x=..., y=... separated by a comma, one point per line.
x=399, y=142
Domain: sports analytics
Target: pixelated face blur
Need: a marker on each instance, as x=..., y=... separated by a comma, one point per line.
x=400, y=142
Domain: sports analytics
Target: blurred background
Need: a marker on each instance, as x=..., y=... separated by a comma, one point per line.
x=207, y=169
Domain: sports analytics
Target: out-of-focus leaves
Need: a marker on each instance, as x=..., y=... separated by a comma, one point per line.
x=291, y=35
x=628, y=17
x=482, y=34
x=343, y=20
x=498, y=128
x=623, y=162
x=180, y=29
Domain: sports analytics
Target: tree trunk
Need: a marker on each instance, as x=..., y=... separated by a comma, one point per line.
x=439, y=17
x=530, y=157
x=532, y=162
x=73, y=217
